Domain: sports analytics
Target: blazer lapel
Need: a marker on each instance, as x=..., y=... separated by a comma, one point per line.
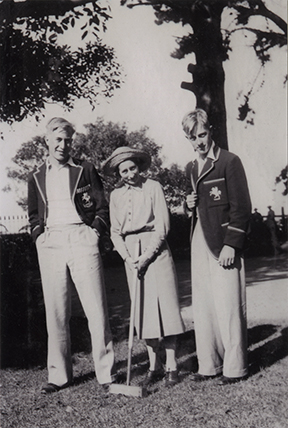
x=209, y=164
x=40, y=178
x=194, y=174
x=74, y=174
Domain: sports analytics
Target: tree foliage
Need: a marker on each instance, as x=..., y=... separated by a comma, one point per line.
x=283, y=178
x=27, y=158
x=36, y=68
x=96, y=145
x=211, y=44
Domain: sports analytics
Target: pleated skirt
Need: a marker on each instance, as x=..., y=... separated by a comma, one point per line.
x=157, y=301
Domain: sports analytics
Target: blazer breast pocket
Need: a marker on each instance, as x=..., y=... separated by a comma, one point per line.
x=216, y=192
x=84, y=196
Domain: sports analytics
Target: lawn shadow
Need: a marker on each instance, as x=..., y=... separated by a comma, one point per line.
x=186, y=356
x=259, y=269
x=30, y=349
x=258, y=333
x=267, y=345
x=83, y=378
x=186, y=353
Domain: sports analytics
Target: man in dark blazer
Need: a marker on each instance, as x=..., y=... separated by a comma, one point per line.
x=219, y=203
x=68, y=213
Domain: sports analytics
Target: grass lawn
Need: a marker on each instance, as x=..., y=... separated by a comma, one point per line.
x=259, y=402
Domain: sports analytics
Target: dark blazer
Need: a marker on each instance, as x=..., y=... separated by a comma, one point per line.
x=223, y=204
x=86, y=192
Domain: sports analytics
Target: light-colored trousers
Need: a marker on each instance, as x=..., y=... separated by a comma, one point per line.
x=219, y=310
x=71, y=253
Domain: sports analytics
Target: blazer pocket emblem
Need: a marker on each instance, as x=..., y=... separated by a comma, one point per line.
x=215, y=193
x=86, y=200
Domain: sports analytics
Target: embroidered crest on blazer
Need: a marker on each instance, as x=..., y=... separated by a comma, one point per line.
x=223, y=205
x=86, y=191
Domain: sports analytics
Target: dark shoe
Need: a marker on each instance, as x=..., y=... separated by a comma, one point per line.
x=50, y=388
x=224, y=380
x=106, y=386
x=152, y=377
x=171, y=378
x=197, y=377
x=115, y=378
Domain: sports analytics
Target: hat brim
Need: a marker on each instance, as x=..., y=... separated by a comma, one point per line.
x=142, y=159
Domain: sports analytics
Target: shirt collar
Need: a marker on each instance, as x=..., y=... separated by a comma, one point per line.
x=69, y=162
x=127, y=187
x=210, y=154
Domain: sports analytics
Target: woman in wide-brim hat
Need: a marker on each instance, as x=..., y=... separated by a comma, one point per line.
x=138, y=211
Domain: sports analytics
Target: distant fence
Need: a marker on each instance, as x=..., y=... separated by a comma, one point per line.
x=14, y=224
x=11, y=224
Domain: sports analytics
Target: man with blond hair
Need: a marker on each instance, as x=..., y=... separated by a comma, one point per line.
x=68, y=213
x=219, y=203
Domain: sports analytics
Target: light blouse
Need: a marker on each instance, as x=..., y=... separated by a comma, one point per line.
x=139, y=209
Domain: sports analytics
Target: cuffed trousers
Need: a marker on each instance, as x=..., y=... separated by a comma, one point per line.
x=70, y=253
x=219, y=310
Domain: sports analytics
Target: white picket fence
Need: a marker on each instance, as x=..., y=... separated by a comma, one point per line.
x=14, y=224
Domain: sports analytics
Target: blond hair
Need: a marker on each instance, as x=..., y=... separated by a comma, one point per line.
x=194, y=118
x=58, y=122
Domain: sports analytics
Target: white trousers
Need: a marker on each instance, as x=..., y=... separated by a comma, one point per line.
x=70, y=253
x=219, y=309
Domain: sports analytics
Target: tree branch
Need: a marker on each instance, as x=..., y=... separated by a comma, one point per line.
x=273, y=17
x=11, y=10
x=257, y=7
x=255, y=31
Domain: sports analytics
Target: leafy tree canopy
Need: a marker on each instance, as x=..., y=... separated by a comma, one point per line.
x=36, y=68
x=96, y=145
x=211, y=43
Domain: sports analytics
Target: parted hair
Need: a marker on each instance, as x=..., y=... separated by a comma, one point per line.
x=58, y=122
x=194, y=118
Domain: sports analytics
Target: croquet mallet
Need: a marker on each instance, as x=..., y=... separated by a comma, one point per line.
x=130, y=390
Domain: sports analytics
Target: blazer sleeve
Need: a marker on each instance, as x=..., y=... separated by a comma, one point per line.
x=188, y=187
x=116, y=234
x=101, y=221
x=240, y=204
x=188, y=183
x=33, y=208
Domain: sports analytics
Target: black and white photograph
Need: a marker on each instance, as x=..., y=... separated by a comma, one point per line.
x=143, y=214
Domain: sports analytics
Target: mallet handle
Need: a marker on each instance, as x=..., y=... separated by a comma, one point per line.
x=132, y=313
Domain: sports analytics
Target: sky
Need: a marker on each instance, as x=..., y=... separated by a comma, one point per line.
x=151, y=96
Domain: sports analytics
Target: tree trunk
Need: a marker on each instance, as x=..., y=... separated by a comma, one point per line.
x=208, y=72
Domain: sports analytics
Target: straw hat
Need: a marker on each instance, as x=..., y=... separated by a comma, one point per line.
x=122, y=154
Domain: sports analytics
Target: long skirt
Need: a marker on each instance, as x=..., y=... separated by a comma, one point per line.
x=219, y=309
x=157, y=303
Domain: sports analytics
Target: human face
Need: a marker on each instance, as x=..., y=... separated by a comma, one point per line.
x=129, y=172
x=201, y=140
x=59, y=143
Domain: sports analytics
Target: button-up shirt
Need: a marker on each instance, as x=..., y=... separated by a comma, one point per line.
x=210, y=155
x=138, y=209
x=61, y=209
